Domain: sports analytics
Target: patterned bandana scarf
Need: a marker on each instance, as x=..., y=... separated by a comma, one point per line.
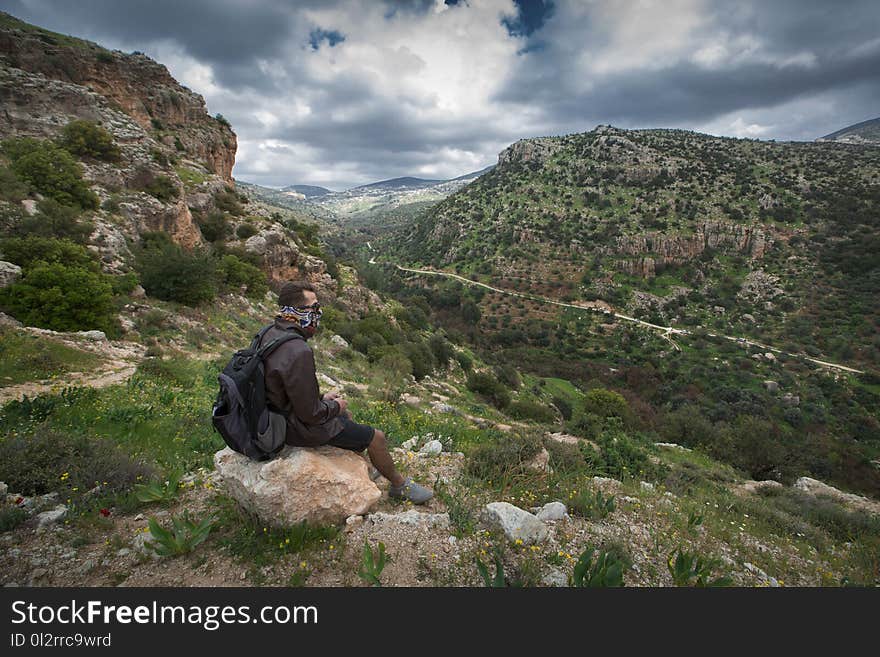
x=305, y=317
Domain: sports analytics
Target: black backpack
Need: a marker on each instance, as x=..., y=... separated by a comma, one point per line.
x=241, y=413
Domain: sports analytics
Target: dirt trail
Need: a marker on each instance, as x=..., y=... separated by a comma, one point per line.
x=667, y=331
x=109, y=374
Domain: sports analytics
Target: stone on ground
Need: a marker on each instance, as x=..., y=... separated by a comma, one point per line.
x=317, y=484
x=818, y=488
x=552, y=511
x=515, y=523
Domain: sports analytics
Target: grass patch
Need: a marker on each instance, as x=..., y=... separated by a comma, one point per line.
x=190, y=177
x=251, y=542
x=26, y=357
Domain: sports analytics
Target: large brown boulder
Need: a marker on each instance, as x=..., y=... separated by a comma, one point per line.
x=317, y=484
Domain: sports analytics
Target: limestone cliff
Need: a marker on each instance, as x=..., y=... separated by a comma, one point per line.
x=132, y=83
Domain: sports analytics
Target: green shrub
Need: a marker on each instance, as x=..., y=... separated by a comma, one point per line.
x=161, y=187
x=11, y=517
x=172, y=274
x=226, y=200
x=504, y=457
x=421, y=358
x=11, y=188
x=245, y=231
x=234, y=274
x=88, y=139
x=530, y=410
x=50, y=170
x=465, y=360
x=25, y=251
x=594, y=506
x=56, y=220
x=622, y=457
x=441, y=348
x=47, y=461
x=214, y=226
x=509, y=376
x=124, y=283
x=489, y=387
x=606, y=403
x=61, y=298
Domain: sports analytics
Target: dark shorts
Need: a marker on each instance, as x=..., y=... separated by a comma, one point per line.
x=354, y=436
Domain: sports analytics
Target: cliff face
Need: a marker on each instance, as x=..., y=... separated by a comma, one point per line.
x=669, y=249
x=134, y=84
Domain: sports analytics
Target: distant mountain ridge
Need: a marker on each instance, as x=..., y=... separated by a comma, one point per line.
x=866, y=132
x=309, y=191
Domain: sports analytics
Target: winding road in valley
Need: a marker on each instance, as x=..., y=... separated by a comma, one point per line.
x=666, y=331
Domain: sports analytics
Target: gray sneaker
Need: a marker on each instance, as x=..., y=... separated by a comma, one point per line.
x=411, y=491
x=374, y=473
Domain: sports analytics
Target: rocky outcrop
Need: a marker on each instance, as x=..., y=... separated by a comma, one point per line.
x=818, y=488
x=37, y=106
x=515, y=523
x=658, y=248
x=528, y=150
x=135, y=84
x=9, y=273
x=318, y=485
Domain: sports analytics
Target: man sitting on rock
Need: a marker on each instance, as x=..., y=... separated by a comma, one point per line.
x=312, y=420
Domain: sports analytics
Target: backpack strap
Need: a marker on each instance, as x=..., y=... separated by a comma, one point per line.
x=277, y=342
x=259, y=336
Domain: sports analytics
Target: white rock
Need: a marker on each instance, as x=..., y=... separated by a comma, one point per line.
x=339, y=341
x=440, y=407
x=431, y=448
x=552, y=511
x=821, y=489
x=51, y=516
x=326, y=380
x=647, y=486
x=3, y=489
x=769, y=356
x=96, y=336
x=316, y=484
x=515, y=523
x=9, y=273
x=555, y=577
x=411, y=443
x=673, y=446
x=771, y=386
x=540, y=461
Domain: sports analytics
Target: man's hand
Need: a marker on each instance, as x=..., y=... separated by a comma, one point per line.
x=343, y=406
x=331, y=395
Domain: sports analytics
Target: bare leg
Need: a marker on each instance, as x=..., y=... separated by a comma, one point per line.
x=382, y=461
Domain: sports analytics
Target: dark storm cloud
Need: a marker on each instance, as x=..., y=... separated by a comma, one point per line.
x=824, y=35
x=334, y=93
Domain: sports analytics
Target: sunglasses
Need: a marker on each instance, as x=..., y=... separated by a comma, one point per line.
x=315, y=307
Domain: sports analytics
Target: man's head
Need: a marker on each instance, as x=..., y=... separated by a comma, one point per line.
x=299, y=304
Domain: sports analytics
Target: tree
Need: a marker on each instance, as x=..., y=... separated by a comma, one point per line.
x=61, y=298
x=88, y=139
x=50, y=170
x=172, y=274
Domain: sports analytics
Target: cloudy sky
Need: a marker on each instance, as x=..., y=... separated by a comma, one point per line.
x=344, y=92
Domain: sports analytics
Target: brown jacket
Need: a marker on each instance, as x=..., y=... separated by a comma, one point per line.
x=292, y=387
